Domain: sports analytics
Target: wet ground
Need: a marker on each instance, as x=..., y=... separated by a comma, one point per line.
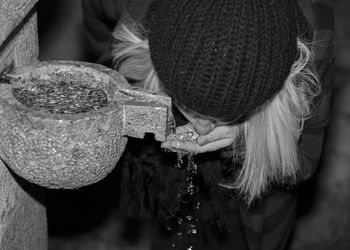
x=88, y=218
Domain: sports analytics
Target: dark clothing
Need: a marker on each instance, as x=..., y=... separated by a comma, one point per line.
x=150, y=182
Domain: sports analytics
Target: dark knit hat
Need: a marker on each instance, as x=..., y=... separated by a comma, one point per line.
x=222, y=58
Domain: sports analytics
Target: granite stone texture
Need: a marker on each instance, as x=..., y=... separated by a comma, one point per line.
x=26, y=47
x=74, y=150
x=23, y=49
x=9, y=193
x=23, y=221
x=12, y=13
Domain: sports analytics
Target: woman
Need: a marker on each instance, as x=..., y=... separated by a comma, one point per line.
x=242, y=73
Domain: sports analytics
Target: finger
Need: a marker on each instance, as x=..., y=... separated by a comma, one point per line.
x=185, y=128
x=179, y=145
x=216, y=145
x=165, y=144
x=188, y=146
x=221, y=132
x=193, y=147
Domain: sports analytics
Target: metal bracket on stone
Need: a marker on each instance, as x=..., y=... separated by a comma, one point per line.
x=4, y=77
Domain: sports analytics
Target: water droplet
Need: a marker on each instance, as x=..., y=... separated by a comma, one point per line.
x=192, y=231
x=186, y=223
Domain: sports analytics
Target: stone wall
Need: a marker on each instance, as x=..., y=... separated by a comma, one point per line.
x=22, y=211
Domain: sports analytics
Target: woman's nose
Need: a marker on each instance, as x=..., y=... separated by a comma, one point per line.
x=203, y=126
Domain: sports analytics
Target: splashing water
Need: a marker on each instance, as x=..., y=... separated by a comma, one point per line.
x=184, y=223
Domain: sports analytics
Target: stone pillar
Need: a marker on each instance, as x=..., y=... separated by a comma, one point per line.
x=22, y=212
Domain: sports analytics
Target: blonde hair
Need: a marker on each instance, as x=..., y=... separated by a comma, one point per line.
x=271, y=134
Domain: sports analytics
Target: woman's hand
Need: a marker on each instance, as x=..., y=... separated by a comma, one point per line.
x=220, y=137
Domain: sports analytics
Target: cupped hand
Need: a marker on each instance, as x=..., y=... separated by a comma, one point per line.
x=219, y=138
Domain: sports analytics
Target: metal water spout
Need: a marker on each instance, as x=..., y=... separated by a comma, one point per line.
x=71, y=150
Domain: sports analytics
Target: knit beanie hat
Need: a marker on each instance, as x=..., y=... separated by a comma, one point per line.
x=222, y=58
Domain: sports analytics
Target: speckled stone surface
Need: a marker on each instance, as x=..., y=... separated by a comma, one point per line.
x=26, y=48
x=11, y=14
x=23, y=222
x=74, y=150
x=23, y=49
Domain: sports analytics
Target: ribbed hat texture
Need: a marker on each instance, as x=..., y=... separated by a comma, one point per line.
x=222, y=58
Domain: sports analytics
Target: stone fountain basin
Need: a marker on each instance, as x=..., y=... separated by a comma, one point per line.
x=75, y=150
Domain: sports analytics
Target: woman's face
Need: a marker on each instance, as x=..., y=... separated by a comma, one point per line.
x=203, y=125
